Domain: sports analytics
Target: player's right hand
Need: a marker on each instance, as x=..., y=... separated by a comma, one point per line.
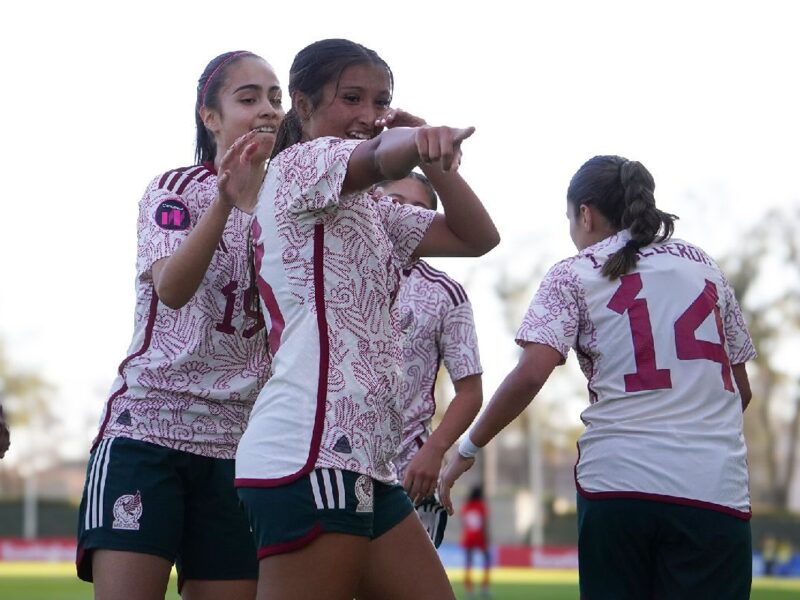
x=455, y=468
x=442, y=145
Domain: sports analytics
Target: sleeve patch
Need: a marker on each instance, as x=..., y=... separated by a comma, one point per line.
x=172, y=215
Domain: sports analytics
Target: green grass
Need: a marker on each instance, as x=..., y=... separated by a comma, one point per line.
x=26, y=581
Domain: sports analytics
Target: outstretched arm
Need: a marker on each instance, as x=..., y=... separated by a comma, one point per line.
x=514, y=394
x=465, y=228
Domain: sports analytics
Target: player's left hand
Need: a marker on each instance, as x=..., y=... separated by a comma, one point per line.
x=397, y=117
x=423, y=473
x=241, y=172
x=454, y=469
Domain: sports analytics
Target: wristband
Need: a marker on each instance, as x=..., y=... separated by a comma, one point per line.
x=467, y=449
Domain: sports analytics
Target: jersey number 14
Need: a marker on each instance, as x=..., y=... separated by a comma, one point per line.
x=687, y=347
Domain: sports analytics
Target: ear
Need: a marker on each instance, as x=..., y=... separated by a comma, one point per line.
x=302, y=106
x=586, y=218
x=210, y=118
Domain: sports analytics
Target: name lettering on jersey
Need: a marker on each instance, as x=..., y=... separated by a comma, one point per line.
x=127, y=512
x=172, y=215
x=679, y=250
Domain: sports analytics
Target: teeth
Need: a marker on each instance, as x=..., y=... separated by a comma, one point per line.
x=357, y=135
x=265, y=129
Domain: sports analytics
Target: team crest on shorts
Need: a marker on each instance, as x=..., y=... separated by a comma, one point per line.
x=364, y=494
x=127, y=512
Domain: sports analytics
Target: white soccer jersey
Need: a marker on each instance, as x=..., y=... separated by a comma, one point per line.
x=437, y=324
x=191, y=375
x=329, y=269
x=657, y=345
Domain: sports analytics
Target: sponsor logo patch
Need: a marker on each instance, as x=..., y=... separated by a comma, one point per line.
x=172, y=215
x=127, y=512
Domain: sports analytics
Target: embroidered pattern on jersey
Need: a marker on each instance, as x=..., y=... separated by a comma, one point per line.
x=437, y=324
x=191, y=375
x=320, y=251
x=656, y=347
x=127, y=512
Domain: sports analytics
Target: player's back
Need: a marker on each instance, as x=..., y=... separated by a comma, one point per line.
x=657, y=346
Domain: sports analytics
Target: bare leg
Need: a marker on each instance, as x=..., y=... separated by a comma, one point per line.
x=330, y=567
x=237, y=589
x=403, y=565
x=129, y=575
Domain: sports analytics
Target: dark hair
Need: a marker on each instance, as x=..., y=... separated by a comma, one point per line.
x=622, y=190
x=315, y=66
x=426, y=183
x=476, y=493
x=208, y=87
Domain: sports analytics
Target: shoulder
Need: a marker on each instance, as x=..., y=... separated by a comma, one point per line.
x=438, y=280
x=319, y=147
x=177, y=181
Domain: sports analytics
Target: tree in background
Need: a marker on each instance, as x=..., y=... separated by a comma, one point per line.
x=764, y=270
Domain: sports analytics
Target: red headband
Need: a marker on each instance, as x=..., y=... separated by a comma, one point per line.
x=215, y=71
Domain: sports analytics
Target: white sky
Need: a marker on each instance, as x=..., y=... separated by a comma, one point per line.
x=98, y=99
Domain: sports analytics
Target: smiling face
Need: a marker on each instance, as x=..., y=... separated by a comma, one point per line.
x=249, y=99
x=349, y=106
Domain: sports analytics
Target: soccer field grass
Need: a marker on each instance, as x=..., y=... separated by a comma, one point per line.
x=36, y=581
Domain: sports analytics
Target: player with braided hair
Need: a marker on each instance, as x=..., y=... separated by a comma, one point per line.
x=159, y=486
x=663, y=501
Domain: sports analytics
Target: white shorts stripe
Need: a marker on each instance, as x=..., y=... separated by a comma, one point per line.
x=102, y=493
x=340, y=488
x=92, y=500
x=326, y=479
x=315, y=488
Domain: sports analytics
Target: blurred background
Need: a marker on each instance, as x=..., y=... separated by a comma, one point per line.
x=99, y=99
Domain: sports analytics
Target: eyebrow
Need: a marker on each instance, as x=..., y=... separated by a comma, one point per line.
x=256, y=87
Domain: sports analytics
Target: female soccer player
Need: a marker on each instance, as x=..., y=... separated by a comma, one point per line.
x=437, y=325
x=663, y=502
x=159, y=486
x=314, y=468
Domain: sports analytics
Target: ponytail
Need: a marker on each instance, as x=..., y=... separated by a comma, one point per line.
x=289, y=133
x=623, y=191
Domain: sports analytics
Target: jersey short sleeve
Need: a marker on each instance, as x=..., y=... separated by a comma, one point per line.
x=458, y=344
x=737, y=338
x=313, y=173
x=165, y=220
x=405, y=225
x=553, y=315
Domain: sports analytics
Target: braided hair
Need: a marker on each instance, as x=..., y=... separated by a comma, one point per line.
x=622, y=190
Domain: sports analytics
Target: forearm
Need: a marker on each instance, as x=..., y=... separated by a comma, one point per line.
x=507, y=403
x=464, y=213
x=460, y=414
x=177, y=279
